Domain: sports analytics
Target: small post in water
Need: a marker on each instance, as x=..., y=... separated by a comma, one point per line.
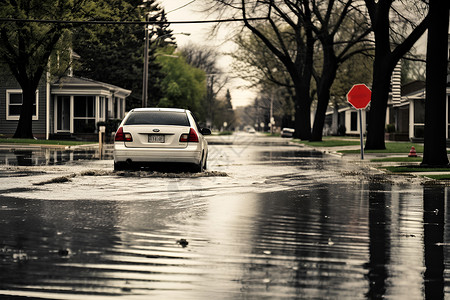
x=101, y=133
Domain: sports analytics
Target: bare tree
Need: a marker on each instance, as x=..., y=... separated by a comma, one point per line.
x=390, y=47
x=258, y=66
x=288, y=38
x=291, y=33
x=341, y=30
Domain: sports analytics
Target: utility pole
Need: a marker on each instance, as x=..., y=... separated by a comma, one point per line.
x=145, y=72
x=145, y=75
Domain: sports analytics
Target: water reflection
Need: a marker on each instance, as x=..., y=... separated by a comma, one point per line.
x=379, y=247
x=329, y=241
x=24, y=157
x=43, y=157
x=433, y=223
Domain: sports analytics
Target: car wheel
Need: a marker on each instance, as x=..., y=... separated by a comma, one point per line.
x=205, y=164
x=119, y=167
x=197, y=168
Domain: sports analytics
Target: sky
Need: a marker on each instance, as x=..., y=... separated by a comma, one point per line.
x=188, y=10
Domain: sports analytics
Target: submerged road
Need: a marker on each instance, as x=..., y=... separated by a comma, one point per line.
x=269, y=220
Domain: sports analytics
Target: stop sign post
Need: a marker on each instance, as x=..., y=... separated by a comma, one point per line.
x=359, y=97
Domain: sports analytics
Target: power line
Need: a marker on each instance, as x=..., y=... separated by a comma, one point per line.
x=180, y=7
x=94, y=22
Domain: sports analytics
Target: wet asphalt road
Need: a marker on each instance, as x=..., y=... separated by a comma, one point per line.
x=267, y=221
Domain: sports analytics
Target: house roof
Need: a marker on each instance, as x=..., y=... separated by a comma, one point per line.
x=80, y=85
x=412, y=87
x=416, y=90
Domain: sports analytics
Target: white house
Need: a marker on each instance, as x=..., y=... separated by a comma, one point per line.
x=70, y=106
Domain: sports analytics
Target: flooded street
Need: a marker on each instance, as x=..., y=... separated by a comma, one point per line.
x=268, y=220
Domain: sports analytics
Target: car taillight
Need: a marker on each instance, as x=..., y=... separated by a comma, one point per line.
x=191, y=137
x=123, y=136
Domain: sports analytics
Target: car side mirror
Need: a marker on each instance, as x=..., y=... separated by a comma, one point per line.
x=205, y=131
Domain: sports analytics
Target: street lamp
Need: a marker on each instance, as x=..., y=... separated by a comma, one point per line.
x=145, y=75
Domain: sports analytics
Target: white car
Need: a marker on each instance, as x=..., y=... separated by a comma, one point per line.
x=160, y=135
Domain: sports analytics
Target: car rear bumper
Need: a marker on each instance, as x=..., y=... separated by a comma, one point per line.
x=192, y=154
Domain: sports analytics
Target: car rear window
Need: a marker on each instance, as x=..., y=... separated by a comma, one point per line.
x=158, y=118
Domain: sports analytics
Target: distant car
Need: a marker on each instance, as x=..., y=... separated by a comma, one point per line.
x=160, y=135
x=252, y=130
x=287, y=132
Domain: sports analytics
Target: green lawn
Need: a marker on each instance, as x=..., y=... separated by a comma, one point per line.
x=439, y=177
x=392, y=147
x=329, y=143
x=398, y=159
x=43, y=142
x=407, y=169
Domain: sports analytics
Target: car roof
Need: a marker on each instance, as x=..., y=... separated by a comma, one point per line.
x=160, y=109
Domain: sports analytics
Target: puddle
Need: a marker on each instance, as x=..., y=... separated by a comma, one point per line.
x=297, y=226
x=44, y=157
x=326, y=242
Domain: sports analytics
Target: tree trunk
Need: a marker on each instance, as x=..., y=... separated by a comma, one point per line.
x=24, y=128
x=323, y=98
x=324, y=85
x=378, y=105
x=435, y=151
x=302, y=118
x=302, y=99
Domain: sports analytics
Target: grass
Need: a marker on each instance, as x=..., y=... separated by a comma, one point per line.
x=439, y=177
x=391, y=147
x=43, y=142
x=330, y=143
x=407, y=169
x=272, y=134
x=397, y=159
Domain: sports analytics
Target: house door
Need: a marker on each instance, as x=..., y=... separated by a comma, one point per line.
x=63, y=113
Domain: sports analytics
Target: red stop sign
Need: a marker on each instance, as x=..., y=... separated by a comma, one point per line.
x=359, y=96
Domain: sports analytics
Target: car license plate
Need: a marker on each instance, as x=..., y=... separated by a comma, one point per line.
x=156, y=138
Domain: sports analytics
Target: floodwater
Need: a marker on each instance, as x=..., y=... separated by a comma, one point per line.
x=285, y=223
x=40, y=157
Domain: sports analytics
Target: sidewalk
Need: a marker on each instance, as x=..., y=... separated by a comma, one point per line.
x=356, y=158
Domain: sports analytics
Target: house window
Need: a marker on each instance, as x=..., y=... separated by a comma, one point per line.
x=14, y=102
x=84, y=114
x=353, y=121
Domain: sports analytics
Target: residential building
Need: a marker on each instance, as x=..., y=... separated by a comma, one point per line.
x=68, y=107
